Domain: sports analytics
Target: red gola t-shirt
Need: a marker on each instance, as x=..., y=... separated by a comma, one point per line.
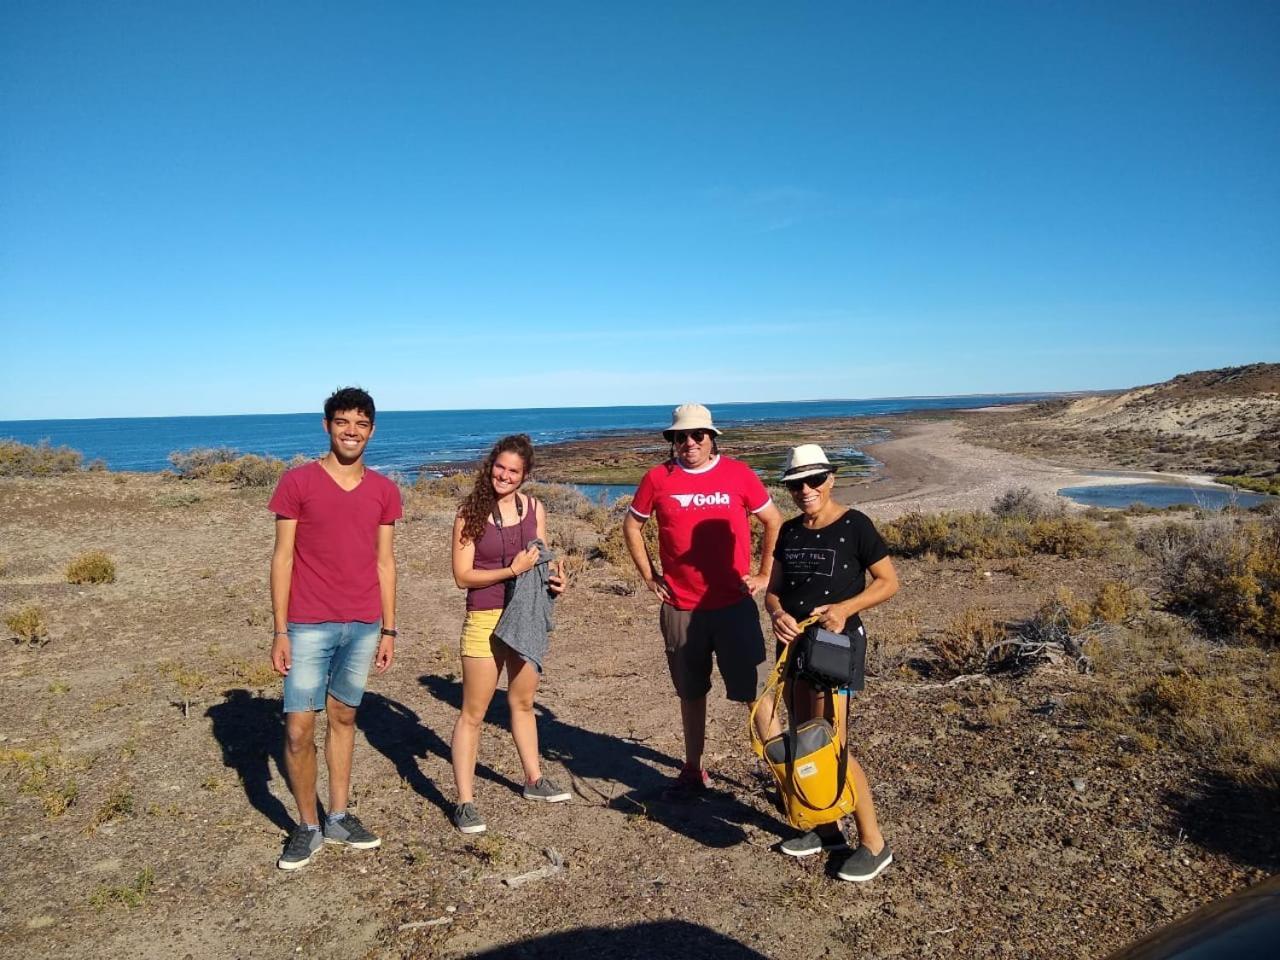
x=335, y=551
x=704, y=530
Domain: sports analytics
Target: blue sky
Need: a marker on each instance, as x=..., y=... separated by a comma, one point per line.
x=235, y=207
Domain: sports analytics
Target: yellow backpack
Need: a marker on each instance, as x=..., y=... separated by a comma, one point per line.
x=808, y=762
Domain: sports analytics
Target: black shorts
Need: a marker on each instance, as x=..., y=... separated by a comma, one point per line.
x=732, y=633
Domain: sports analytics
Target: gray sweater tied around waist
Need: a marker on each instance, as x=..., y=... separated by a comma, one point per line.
x=526, y=619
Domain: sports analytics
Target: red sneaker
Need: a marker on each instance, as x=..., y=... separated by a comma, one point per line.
x=690, y=781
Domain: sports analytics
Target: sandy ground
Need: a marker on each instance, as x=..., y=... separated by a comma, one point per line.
x=927, y=466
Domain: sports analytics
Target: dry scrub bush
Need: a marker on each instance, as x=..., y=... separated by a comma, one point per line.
x=1116, y=602
x=963, y=645
x=27, y=625
x=1223, y=573
x=613, y=548
x=37, y=460
x=225, y=465
x=454, y=486
x=976, y=535
x=1025, y=504
x=92, y=567
x=561, y=499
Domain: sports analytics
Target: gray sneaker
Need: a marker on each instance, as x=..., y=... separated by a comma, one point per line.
x=301, y=846
x=546, y=791
x=863, y=865
x=807, y=844
x=467, y=819
x=348, y=831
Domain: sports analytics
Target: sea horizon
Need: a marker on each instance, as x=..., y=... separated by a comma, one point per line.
x=405, y=440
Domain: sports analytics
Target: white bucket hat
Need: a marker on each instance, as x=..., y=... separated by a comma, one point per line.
x=806, y=460
x=690, y=416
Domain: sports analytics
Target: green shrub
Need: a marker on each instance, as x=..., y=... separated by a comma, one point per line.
x=92, y=567
x=37, y=460
x=27, y=624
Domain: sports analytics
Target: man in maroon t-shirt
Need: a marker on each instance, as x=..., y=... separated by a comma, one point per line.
x=333, y=594
x=703, y=503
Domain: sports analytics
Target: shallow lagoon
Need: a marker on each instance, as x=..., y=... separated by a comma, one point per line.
x=1122, y=495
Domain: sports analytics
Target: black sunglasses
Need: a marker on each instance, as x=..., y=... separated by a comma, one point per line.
x=679, y=436
x=813, y=482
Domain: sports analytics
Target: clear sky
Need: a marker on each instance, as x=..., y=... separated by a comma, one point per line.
x=235, y=207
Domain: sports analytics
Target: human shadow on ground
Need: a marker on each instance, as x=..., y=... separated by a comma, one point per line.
x=667, y=938
x=714, y=818
x=1232, y=816
x=399, y=734
x=250, y=730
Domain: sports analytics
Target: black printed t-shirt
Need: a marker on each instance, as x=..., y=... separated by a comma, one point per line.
x=827, y=565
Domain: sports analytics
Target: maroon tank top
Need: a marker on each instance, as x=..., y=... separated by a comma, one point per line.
x=495, y=549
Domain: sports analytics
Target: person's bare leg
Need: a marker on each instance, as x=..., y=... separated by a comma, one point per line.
x=339, y=747
x=522, y=684
x=693, y=721
x=300, y=763
x=479, y=680
x=864, y=814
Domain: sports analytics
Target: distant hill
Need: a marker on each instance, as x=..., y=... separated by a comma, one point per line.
x=1224, y=422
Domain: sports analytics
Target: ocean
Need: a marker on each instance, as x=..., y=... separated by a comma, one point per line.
x=407, y=439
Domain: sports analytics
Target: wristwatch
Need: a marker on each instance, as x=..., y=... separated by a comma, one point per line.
x=389, y=633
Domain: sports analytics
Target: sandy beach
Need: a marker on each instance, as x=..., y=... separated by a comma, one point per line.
x=928, y=466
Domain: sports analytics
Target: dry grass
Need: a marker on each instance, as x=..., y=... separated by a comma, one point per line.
x=128, y=896
x=46, y=774
x=92, y=567
x=962, y=646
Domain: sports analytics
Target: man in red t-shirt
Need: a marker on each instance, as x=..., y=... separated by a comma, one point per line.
x=703, y=502
x=333, y=594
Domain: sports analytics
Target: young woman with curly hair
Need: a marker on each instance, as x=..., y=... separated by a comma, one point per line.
x=494, y=524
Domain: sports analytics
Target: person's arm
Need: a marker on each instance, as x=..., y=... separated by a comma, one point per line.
x=785, y=627
x=633, y=534
x=555, y=575
x=465, y=574
x=387, y=589
x=771, y=517
x=884, y=584
x=281, y=579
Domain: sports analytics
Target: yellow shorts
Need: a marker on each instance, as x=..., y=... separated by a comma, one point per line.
x=477, y=633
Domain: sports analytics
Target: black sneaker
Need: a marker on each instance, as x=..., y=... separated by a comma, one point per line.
x=302, y=845
x=543, y=789
x=348, y=831
x=467, y=819
x=863, y=865
x=807, y=844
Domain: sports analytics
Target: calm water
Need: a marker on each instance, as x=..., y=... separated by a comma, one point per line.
x=407, y=439
x=1161, y=495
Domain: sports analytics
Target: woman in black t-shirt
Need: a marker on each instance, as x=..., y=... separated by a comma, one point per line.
x=820, y=567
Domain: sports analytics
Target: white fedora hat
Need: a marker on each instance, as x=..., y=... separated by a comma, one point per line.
x=806, y=460
x=690, y=416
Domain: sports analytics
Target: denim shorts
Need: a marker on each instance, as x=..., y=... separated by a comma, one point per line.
x=329, y=658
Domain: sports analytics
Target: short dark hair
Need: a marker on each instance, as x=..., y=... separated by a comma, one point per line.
x=349, y=398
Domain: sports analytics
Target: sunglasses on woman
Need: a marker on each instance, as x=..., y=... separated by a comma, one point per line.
x=679, y=436
x=813, y=483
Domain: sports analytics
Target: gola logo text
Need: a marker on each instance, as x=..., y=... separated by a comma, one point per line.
x=702, y=499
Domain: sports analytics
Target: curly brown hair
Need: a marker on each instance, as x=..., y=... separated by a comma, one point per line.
x=478, y=505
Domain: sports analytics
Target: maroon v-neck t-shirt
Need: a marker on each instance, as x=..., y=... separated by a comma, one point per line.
x=335, y=551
